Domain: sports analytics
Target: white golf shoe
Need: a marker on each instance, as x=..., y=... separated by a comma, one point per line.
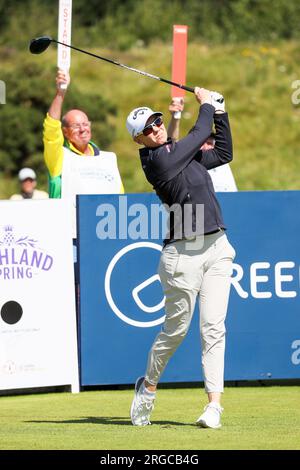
x=142, y=405
x=211, y=418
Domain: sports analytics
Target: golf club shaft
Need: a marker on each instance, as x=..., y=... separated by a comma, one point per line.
x=127, y=67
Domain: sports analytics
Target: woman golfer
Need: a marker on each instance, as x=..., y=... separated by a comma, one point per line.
x=197, y=257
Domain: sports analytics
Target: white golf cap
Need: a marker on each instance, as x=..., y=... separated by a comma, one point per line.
x=27, y=173
x=137, y=119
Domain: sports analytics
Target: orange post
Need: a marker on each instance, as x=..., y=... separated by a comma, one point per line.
x=179, y=59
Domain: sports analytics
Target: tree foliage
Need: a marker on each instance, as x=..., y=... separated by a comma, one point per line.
x=117, y=24
x=122, y=23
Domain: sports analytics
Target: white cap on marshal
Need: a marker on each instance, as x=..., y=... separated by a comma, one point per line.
x=27, y=173
x=137, y=119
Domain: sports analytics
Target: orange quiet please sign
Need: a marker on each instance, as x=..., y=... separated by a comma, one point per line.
x=179, y=59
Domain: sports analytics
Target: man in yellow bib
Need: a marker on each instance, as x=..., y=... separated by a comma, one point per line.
x=68, y=150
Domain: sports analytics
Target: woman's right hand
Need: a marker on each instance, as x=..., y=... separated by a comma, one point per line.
x=202, y=95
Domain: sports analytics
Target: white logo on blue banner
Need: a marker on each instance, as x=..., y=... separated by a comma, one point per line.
x=149, y=309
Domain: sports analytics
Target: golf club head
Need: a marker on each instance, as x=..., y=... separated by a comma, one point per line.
x=39, y=45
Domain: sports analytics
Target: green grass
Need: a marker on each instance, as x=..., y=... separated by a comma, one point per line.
x=254, y=418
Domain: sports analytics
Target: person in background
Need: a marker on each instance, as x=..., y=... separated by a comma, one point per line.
x=222, y=176
x=67, y=147
x=27, y=179
x=75, y=163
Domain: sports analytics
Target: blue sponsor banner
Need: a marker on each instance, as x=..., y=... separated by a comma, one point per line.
x=121, y=300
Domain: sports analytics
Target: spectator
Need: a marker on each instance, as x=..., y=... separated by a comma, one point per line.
x=75, y=163
x=27, y=178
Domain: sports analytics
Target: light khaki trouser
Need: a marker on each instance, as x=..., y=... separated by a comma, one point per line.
x=186, y=273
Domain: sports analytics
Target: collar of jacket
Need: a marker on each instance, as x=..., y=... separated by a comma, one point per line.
x=145, y=150
x=71, y=147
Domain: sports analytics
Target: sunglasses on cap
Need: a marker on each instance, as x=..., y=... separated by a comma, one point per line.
x=149, y=129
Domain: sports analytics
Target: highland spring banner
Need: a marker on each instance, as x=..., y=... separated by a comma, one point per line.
x=38, y=339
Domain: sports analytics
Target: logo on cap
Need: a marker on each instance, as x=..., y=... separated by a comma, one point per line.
x=139, y=111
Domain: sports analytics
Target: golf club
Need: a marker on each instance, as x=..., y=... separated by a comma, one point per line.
x=40, y=44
